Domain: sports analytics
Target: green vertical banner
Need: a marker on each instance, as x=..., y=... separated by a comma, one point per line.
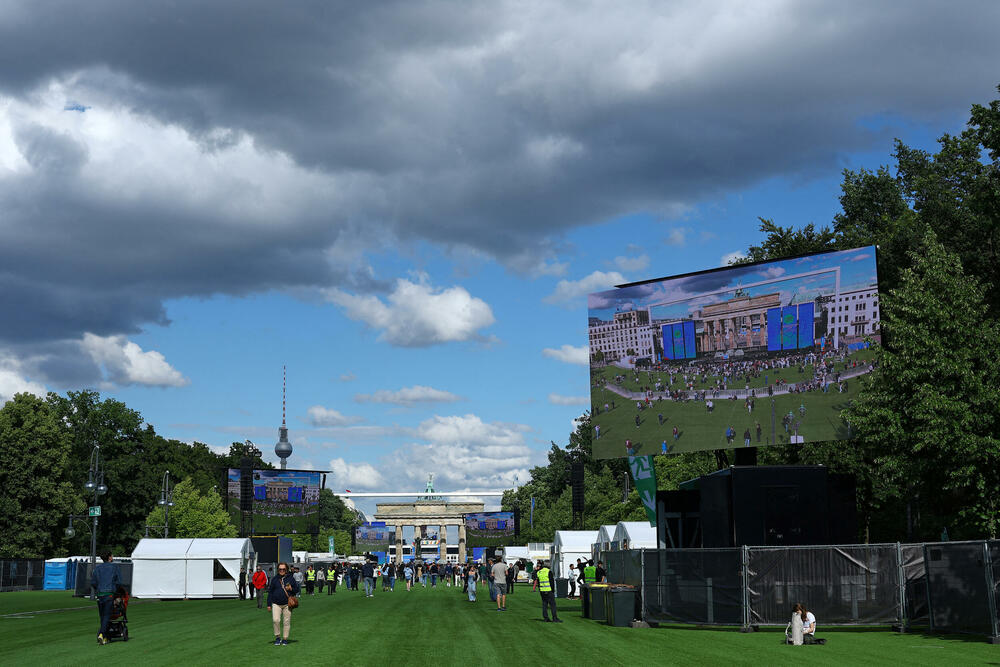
x=644, y=475
x=330, y=542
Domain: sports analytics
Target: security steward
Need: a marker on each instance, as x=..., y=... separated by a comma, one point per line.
x=331, y=579
x=311, y=581
x=590, y=573
x=543, y=577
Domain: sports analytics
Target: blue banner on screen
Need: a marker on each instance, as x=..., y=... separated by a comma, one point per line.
x=284, y=501
x=678, y=340
x=490, y=529
x=807, y=324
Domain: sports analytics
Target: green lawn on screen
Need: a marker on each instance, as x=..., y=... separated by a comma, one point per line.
x=429, y=627
x=699, y=429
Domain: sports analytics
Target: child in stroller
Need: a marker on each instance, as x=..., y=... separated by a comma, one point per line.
x=118, y=625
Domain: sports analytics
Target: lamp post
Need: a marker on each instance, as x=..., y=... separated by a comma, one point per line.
x=166, y=501
x=95, y=484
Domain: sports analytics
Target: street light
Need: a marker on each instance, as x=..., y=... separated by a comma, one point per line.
x=94, y=484
x=166, y=501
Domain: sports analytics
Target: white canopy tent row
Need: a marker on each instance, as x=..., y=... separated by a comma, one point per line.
x=634, y=535
x=605, y=537
x=569, y=545
x=190, y=568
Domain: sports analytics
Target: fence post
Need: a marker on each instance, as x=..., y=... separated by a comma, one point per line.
x=642, y=587
x=927, y=588
x=991, y=593
x=904, y=622
x=746, y=588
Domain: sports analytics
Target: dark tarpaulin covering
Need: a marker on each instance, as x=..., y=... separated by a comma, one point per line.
x=957, y=587
x=22, y=574
x=843, y=585
x=915, y=577
x=703, y=586
x=994, y=546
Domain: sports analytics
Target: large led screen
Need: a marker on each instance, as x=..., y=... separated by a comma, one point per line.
x=374, y=536
x=490, y=529
x=284, y=501
x=752, y=355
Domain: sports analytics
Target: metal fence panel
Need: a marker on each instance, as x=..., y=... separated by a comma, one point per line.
x=703, y=586
x=957, y=587
x=22, y=574
x=842, y=585
x=915, y=578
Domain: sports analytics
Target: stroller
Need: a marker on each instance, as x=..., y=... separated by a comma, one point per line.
x=118, y=625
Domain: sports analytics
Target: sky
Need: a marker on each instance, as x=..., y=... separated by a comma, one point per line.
x=684, y=296
x=406, y=203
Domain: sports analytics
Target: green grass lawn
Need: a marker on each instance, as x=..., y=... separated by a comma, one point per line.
x=700, y=429
x=429, y=627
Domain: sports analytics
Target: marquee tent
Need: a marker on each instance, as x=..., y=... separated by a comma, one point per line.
x=189, y=568
x=634, y=535
x=569, y=545
x=605, y=537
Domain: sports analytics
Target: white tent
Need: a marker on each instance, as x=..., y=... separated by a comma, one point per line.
x=569, y=545
x=605, y=538
x=634, y=535
x=189, y=568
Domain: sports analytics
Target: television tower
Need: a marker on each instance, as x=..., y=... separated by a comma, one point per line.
x=283, y=448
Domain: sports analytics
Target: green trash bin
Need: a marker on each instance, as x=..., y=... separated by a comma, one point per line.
x=585, y=595
x=619, y=602
x=597, y=606
x=562, y=588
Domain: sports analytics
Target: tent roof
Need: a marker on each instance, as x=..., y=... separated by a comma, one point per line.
x=606, y=533
x=638, y=534
x=149, y=547
x=574, y=540
x=218, y=548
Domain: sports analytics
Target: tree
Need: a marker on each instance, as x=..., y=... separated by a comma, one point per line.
x=35, y=494
x=932, y=407
x=787, y=241
x=194, y=514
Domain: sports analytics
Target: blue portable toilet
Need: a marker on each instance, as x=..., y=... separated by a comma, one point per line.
x=57, y=574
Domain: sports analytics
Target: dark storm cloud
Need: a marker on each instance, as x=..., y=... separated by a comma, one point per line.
x=493, y=126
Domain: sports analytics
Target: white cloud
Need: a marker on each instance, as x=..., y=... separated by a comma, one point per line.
x=730, y=257
x=321, y=416
x=569, y=354
x=126, y=363
x=350, y=475
x=559, y=399
x=677, y=236
x=465, y=452
x=418, y=314
x=409, y=396
x=570, y=290
x=12, y=382
x=629, y=264
x=348, y=377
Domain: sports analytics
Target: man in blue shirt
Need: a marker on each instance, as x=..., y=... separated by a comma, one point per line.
x=104, y=582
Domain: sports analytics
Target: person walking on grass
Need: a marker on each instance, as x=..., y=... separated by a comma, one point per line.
x=281, y=587
x=320, y=578
x=543, y=579
x=368, y=572
x=499, y=572
x=258, y=584
x=472, y=576
x=243, y=583
x=104, y=582
x=331, y=578
x=310, y=580
x=408, y=573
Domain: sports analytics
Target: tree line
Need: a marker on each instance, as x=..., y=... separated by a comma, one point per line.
x=45, y=450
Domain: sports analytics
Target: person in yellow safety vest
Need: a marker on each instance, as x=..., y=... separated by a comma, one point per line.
x=311, y=581
x=331, y=580
x=543, y=577
x=590, y=573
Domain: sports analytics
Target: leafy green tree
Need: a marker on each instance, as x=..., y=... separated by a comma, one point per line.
x=194, y=514
x=931, y=410
x=35, y=494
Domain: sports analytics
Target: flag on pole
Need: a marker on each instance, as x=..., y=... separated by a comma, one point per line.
x=531, y=516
